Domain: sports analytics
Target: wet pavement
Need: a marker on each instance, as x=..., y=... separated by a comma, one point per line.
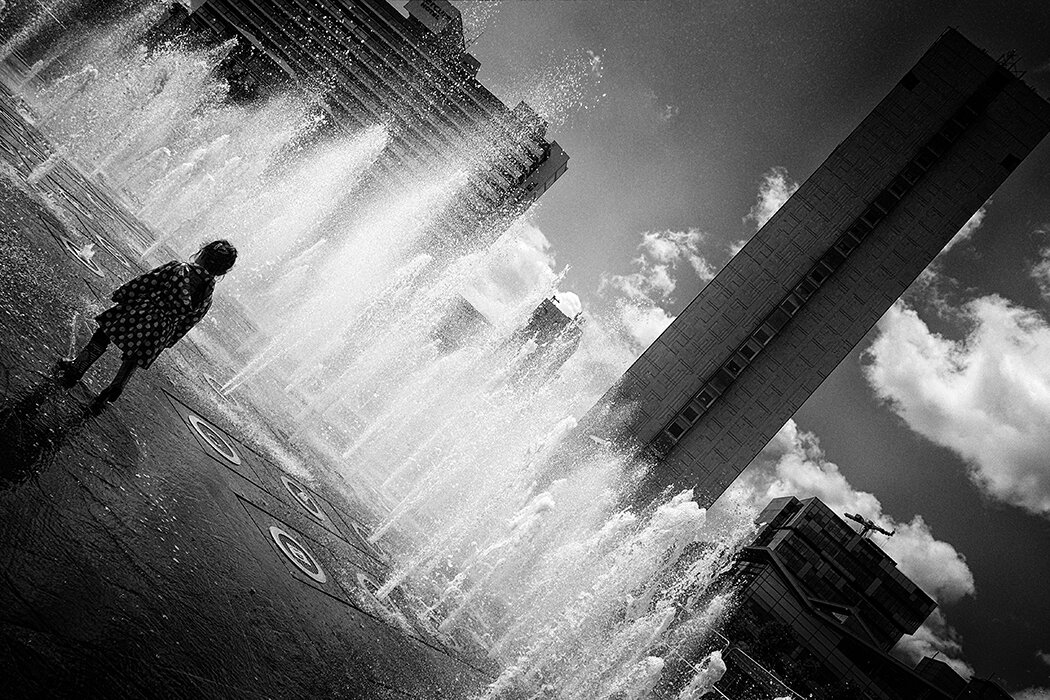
x=156, y=549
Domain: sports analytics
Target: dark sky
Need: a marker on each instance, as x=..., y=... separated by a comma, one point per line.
x=692, y=103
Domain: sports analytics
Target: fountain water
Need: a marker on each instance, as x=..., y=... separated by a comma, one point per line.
x=575, y=598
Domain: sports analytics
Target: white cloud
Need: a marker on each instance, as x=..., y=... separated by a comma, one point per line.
x=1033, y=694
x=568, y=303
x=986, y=397
x=644, y=323
x=775, y=189
x=934, y=636
x=1043, y=656
x=967, y=230
x=935, y=565
x=662, y=257
x=793, y=464
x=518, y=265
x=668, y=113
x=1040, y=272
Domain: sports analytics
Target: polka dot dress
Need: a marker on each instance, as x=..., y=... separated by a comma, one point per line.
x=154, y=310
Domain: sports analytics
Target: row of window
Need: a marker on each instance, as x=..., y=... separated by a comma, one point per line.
x=836, y=255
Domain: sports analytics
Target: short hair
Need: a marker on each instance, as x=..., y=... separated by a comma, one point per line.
x=217, y=257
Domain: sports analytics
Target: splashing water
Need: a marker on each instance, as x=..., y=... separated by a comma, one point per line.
x=573, y=597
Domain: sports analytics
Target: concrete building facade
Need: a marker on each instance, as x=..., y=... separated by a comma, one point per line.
x=545, y=342
x=411, y=74
x=736, y=364
x=818, y=607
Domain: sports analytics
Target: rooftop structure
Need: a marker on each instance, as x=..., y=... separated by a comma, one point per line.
x=458, y=322
x=818, y=607
x=546, y=342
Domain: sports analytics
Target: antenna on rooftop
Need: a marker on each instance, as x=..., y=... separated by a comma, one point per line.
x=470, y=42
x=1009, y=61
x=867, y=525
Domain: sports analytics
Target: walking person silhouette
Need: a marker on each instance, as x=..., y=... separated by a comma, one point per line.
x=152, y=313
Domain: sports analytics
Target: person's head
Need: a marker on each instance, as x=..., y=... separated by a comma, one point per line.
x=217, y=257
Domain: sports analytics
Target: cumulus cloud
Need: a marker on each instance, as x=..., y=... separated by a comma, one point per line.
x=644, y=323
x=793, y=464
x=1040, y=272
x=968, y=229
x=775, y=189
x=662, y=257
x=668, y=113
x=934, y=636
x=518, y=265
x=568, y=303
x=1033, y=694
x=986, y=397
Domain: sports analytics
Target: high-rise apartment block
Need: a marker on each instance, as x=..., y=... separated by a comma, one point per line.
x=760, y=338
x=547, y=341
x=817, y=609
x=413, y=75
x=458, y=322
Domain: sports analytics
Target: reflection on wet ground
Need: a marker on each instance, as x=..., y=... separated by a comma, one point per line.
x=136, y=558
x=34, y=427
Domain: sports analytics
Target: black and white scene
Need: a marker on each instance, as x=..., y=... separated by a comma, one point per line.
x=525, y=349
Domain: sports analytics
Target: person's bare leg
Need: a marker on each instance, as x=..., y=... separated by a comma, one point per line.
x=112, y=392
x=71, y=371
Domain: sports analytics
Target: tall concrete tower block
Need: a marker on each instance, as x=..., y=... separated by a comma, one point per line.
x=411, y=74
x=759, y=339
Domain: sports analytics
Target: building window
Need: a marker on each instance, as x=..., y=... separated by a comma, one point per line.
x=1010, y=162
x=721, y=381
x=845, y=245
x=779, y=317
x=909, y=81
x=952, y=130
x=898, y=187
x=872, y=216
x=939, y=144
x=818, y=274
x=832, y=259
x=912, y=173
x=925, y=158
x=886, y=200
x=966, y=115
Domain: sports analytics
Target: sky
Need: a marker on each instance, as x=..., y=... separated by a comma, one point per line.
x=687, y=124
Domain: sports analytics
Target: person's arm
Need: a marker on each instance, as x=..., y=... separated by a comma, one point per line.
x=189, y=321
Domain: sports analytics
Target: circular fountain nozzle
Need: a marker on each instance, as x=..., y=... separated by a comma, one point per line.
x=304, y=498
x=215, y=439
x=296, y=553
x=83, y=254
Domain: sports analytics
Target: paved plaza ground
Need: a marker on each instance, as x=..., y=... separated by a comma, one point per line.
x=157, y=549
